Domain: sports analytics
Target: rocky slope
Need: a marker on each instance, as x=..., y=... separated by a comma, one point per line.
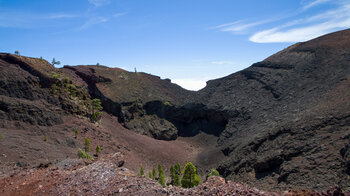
x=289, y=116
x=41, y=107
x=107, y=177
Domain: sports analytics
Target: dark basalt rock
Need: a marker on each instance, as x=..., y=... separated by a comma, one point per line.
x=293, y=119
x=345, y=153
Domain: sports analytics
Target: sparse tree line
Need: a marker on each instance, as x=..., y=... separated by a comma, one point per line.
x=188, y=178
x=85, y=153
x=53, y=62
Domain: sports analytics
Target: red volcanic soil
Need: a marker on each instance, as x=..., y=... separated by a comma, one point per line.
x=139, y=150
x=106, y=177
x=27, y=144
x=59, y=154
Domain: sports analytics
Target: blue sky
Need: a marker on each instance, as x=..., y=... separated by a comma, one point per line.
x=188, y=41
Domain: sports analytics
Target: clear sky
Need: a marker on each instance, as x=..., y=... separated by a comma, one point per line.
x=188, y=41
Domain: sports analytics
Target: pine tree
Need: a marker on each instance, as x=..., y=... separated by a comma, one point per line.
x=177, y=173
x=172, y=174
x=54, y=62
x=161, y=178
x=190, y=176
x=154, y=173
x=150, y=175
x=87, y=145
x=142, y=172
x=98, y=149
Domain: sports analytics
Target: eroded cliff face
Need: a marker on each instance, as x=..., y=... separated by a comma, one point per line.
x=147, y=104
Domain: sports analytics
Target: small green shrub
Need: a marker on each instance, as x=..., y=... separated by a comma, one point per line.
x=96, y=104
x=96, y=116
x=154, y=173
x=161, y=180
x=76, y=133
x=1, y=136
x=167, y=103
x=190, y=176
x=142, y=171
x=84, y=155
x=55, y=75
x=96, y=109
x=66, y=80
x=213, y=172
x=87, y=145
x=175, y=172
x=46, y=139
x=98, y=149
x=72, y=90
x=150, y=175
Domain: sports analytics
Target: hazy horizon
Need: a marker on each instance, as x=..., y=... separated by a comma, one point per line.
x=187, y=41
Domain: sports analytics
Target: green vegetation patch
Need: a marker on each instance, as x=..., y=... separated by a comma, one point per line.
x=190, y=176
x=87, y=145
x=213, y=172
x=161, y=178
x=84, y=155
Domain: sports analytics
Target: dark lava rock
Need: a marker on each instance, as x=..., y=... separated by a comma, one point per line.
x=153, y=126
x=288, y=116
x=120, y=163
x=345, y=153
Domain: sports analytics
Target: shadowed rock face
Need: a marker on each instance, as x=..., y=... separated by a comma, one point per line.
x=21, y=95
x=147, y=104
x=189, y=119
x=293, y=116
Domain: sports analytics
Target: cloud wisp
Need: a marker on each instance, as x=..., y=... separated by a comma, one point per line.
x=98, y=3
x=301, y=26
x=239, y=26
x=315, y=3
x=307, y=28
x=93, y=21
x=26, y=20
x=98, y=20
